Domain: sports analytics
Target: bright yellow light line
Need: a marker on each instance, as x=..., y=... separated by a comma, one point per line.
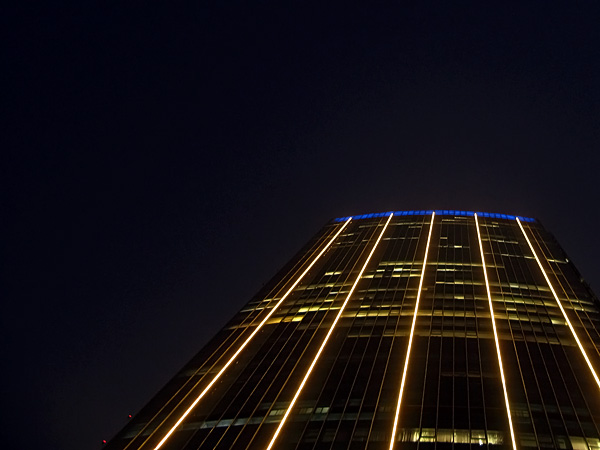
x=487, y=286
x=564, y=313
x=314, y=362
x=239, y=350
x=410, y=338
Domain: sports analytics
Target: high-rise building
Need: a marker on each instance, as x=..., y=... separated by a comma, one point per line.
x=412, y=329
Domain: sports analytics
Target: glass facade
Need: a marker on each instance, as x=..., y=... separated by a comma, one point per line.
x=399, y=330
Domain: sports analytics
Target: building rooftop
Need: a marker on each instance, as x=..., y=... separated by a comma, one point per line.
x=441, y=212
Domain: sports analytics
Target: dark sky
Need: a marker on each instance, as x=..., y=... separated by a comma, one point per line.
x=162, y=161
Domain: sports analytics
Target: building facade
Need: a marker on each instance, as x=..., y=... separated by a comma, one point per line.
x=398, y=330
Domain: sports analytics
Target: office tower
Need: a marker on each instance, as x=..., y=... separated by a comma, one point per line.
x=412, y=329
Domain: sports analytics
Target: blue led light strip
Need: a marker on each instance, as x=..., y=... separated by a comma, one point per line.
x=441, y=212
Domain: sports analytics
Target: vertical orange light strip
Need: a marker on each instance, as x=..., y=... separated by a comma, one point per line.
x=410, y=338
x=487, y=286
x=316, y=358
x=239, y=350
x=564, y=313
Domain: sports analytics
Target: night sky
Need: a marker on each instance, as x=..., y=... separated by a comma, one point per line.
x=162, y=161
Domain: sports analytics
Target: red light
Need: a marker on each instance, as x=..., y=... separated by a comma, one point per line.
x=129, y=416
x=103, y=441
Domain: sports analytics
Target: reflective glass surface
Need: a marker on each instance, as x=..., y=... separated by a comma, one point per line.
x=490, y=326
